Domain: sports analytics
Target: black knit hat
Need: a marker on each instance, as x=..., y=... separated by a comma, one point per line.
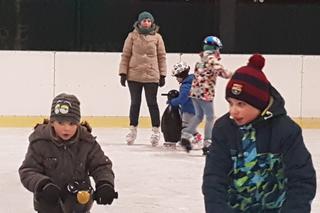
x=65, y=107
x=249, y=84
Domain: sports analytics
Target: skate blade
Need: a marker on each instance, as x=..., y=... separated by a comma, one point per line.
x=169, y=145
x=130, y=142
x=197, y=146
x=154, y=144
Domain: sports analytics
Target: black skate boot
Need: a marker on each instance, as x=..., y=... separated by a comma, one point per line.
x=186, y=144
x=205, y=148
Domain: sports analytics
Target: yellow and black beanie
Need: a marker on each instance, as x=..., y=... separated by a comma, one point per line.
x=65, y=107
x=249, y=84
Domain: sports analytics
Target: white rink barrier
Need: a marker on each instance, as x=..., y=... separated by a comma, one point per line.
x=30, y=79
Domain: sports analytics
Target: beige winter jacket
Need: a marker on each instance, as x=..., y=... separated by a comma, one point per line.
x=143, y=57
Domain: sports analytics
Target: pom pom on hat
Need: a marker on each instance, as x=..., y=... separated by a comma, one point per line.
x=145, y=15
x=249, y=84
x=256, y=61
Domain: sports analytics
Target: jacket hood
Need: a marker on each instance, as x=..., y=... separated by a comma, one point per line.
x=46, y=132
x=275, y=106
x=274, y=109
x=153, y=30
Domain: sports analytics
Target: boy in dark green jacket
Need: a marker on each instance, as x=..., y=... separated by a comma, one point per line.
x=258, y=162
x=61, y=156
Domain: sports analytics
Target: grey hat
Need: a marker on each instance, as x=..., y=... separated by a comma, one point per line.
x=65, y=107
x=145, y=15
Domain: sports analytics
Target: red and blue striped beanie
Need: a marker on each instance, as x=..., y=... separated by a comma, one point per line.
x=249, y=84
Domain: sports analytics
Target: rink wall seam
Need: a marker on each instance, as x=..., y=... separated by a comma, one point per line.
x=117, y=121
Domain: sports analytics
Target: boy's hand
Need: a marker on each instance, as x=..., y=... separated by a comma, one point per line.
x=50, y=193
x=105, y=194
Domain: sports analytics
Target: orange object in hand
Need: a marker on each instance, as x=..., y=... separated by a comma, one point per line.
x=83, y=197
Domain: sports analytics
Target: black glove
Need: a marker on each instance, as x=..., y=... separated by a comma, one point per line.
x=123, y=79
x=49, y=193
x=105, y=194
x=162, y=81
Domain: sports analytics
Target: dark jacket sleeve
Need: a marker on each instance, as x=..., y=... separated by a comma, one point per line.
x=300, y=173
x=215, y=179
x=31, y=171
x=100, y=166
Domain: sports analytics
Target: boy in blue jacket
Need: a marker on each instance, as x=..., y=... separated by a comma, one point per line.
x=181, y=72
x=258, y=161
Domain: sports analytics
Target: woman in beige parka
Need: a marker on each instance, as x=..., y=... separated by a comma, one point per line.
x=143, y=66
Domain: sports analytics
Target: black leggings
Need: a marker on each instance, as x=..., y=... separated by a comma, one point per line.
x=150, y=90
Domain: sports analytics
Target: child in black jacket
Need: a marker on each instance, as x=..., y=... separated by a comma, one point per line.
x=258, y=161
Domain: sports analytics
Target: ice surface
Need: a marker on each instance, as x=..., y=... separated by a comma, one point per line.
x=148, y=179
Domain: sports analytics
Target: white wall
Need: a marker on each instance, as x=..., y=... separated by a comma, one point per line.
x=30, y=79
x=26, y=82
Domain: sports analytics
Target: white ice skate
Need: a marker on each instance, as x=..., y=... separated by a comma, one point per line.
x=132, y=135
x=155, y=136
x=197, y=142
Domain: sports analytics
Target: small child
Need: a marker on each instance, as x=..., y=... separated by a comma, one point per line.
x=61, y=156
x=181, y=72
x=258, y=162
x=203, y=91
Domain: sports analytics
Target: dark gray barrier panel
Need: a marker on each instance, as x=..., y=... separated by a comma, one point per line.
x=8, y=25
x=102, y=25
x=278, y=26
x=244, y=26
x=37, y=24
x=183, y=24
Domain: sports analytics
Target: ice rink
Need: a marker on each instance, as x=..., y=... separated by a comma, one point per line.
x=149, y=180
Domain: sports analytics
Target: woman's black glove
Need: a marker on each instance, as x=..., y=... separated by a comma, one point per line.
x=49, y=193
x=105, y=194
x=123, y=78
x=162, y=81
